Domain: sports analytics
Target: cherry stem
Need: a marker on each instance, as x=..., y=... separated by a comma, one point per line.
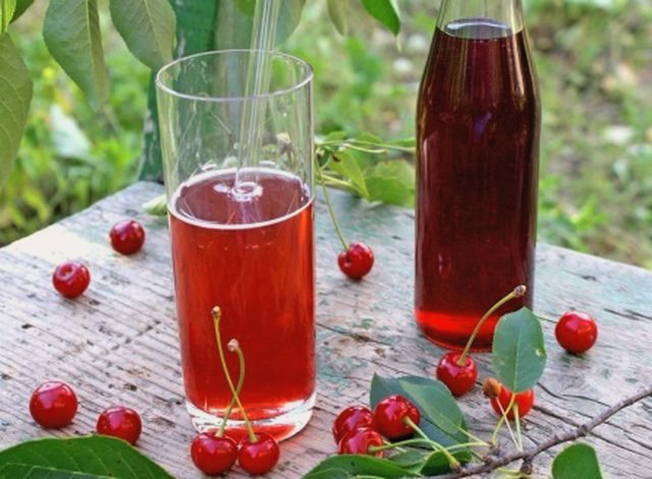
x=503, y=419
x=472, y=436
x=327, y=198
x=517, y=420
x=232, y=403
x=430, y=442
x=452, y=461
x=217, y=316
x=394, y=445
x=516, y=293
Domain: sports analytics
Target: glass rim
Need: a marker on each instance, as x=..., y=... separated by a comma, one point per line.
x=306, y=79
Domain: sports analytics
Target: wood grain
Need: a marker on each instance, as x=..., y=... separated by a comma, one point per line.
x=118, y=344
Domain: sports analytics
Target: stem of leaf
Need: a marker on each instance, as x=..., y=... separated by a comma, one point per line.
x=327, y=198
x=217, y=316
x=452, y=461
x=385, y=146
x=516, y=293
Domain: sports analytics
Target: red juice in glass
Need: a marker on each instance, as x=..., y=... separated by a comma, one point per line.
x=254, y=258
x=477, y=138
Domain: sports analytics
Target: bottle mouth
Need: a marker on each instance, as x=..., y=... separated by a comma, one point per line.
x=479, y=28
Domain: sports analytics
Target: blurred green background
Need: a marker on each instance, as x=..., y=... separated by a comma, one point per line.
x=595, y=69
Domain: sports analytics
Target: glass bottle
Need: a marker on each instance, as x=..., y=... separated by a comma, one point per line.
x=478, y=125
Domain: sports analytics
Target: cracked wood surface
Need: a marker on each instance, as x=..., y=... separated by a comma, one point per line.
x=117, y=344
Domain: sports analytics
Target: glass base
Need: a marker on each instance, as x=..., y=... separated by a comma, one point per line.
x=294, y=417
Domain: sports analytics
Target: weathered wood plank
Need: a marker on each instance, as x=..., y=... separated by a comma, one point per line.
x=117, y=343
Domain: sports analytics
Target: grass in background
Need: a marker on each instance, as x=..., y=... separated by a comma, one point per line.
x=595, y=70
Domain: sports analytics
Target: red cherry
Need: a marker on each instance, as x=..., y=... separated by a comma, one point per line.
x=352, y=418
x=356, y=261
x=71, y=279
x=213, y=455
x=576, y=332
x=460, y=379
x=359, y=441
x=391, y=414
x=258, y=457
x=120, y=422
x=525, y=401
x=127, y=236
x=53, y=404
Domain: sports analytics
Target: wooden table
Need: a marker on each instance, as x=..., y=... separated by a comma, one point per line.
x=118, y=343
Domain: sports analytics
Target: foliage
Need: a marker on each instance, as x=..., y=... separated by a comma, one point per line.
x=518, y=354
x=77, y=458
x=577, y=461
x=442, y=443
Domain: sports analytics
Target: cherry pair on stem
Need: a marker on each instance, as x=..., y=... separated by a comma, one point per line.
x=213, y=454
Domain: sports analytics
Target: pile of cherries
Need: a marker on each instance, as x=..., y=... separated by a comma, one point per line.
x=358, y=430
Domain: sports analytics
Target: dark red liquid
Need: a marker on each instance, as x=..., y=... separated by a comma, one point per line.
x=255, y=260
x=478, y=140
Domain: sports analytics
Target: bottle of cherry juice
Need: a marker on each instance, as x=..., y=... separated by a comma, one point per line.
x=478, y=124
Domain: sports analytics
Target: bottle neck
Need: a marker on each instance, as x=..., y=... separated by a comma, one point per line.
x=504, y=15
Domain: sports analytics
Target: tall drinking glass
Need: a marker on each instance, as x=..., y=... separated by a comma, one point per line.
x=242, y=237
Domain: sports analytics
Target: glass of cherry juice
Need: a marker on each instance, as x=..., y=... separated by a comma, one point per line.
x=239, y=183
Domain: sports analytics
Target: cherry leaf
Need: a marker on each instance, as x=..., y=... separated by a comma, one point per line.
x=518, y=354
x=93, y=455
x=578, y=461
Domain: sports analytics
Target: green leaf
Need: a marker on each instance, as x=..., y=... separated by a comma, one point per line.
x=21, y=6
x=330, y=474
x=437, y=395
x=435, y=401
x=409, y=458
x=25, y=471
x=386, y=12
x=435, y=464
x=98, y=455
x=518, y=354
x=578, y=461
x=360, y=465
x=7, y=9
x=147, y=27
x=68, y=139
x=15, y=97
x=339, y=14
x=346, y=164
x=71, y=31
x=392, y=182
x=156, y=206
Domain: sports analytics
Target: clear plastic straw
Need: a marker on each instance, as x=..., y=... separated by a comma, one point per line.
x=265, y=24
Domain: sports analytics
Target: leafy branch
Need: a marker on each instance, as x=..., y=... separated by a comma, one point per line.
x=71, y=31
x=494, y=462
